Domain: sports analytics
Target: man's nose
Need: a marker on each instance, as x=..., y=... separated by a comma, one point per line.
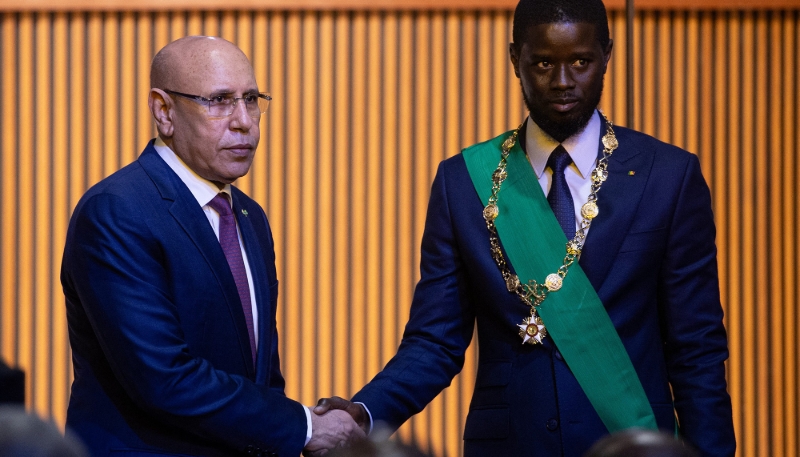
x=562, y=77
x=240, y=118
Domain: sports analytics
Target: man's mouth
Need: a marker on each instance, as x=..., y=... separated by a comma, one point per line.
x=564, y=105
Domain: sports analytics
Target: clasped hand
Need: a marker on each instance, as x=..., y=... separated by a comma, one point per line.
x=335, y=422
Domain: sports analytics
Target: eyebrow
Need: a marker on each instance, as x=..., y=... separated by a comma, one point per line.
x=230, y=92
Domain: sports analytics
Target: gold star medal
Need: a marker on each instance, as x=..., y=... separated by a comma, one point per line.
x=532, y=330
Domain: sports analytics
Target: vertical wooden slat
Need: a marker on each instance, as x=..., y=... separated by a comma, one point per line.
x=194, y=23
x=95, y=90
x=728, y=115
x=676, y=69
x=126, y=147
x=145, y=127
x=742, y=358
x=776, y=277
x=111, y=124
x=342, y=204
x=58, y=202
x=275, y=135
x=8, y=274
x=648, y=104
x=40, y=307
x=638, y=75
x=693, y=83
x=387, y=228
x=373, y=189
x=325, y=196
x=406, y=212
x=307, y=175
x=25, y=193
x=360, y=146
x=663, y=46
x=325, y=201
x=177, y=26
x=614, y=98
x=789, y=235
x=292, y=277
x=756, y=432
x=260, y=58
x=795, y=431
x=500, y=67
x=210, y=23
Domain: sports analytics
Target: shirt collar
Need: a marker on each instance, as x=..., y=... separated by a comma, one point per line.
x=202, y=189
x=582, y=146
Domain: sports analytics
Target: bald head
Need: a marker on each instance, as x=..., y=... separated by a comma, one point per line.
x=185, y=77
x=183, y=64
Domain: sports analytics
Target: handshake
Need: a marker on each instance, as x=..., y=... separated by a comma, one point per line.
x=336, y=422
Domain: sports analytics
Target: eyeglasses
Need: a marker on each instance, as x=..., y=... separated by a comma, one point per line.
x=223, y=105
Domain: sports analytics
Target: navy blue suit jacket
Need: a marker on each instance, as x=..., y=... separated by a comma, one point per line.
x=159, y=341
x=651, y=257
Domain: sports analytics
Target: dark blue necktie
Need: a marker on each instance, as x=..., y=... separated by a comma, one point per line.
x=559, y=197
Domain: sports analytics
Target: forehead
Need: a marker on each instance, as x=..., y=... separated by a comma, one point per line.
x=562, y=37
x=218, y=69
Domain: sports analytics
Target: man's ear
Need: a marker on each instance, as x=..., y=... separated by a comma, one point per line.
x=513, y=52
x=607, y=54
x=161, y=107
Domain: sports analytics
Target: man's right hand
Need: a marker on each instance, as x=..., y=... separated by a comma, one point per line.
x=334, y=429
x=356, y=410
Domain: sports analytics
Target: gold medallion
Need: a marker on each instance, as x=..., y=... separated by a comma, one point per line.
x=512, y=282
x=590, y=210
x=532, y=330
x=610, y=142
x=490, y=212
x=553, y=282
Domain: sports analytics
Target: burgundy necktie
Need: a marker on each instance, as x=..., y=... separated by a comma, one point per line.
x=229, y=240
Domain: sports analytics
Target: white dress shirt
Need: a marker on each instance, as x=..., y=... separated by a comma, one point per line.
x=582, y=147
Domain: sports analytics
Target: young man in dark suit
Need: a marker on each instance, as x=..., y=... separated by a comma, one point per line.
x=584, y=252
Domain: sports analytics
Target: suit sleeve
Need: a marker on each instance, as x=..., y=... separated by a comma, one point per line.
x=439, y=328
x=695, y=338
x=114, y=267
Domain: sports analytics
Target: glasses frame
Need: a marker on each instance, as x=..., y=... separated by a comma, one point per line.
x=207, y=101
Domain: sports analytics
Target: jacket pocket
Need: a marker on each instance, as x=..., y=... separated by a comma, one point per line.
x=650, y=240
x=487, y=424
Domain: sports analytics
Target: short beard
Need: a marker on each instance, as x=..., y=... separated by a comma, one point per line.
x=560, y=131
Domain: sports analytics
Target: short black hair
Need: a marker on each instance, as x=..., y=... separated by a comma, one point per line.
x=535, y=12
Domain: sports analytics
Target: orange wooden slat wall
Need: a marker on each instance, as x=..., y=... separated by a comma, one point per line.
x=366, y=103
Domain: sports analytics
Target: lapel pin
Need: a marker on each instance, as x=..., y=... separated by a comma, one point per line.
x=631, y=173
x=244, y=211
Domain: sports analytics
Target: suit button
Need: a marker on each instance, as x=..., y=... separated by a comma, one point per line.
x=558, y=355
x=552, y=424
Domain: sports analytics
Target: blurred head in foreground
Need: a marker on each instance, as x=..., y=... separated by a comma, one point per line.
x=640, y=443
x=25, y=435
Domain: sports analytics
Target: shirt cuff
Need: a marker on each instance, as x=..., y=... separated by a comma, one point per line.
x=308, y=423
x=368, y=414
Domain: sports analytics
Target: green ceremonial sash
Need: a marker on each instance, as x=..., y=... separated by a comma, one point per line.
x=574, y=315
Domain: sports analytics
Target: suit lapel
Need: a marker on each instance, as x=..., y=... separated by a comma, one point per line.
x=618, y=200
x=255, y=260
x=190, y=216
